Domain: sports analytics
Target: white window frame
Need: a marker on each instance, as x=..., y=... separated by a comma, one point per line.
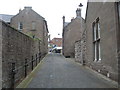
x=95, y=51
x=96, y=40
x=99, y=52
x=95, y=32
x=20, y=24
x=98, y=30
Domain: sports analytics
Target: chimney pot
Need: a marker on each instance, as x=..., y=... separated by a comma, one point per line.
x=72, y=19
x=28, y=7
x=63, y=21
x=78, y=12
x=20, y=10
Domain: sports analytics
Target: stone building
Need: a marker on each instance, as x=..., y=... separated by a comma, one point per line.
x=55, y=45
x=0, y=55
x=32, y=24
x=103, y=37
x=72, y=32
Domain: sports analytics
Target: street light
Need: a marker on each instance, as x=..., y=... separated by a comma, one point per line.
x=80, y=5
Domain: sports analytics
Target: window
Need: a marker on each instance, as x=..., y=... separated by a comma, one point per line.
x=20, y=26
x=33, y=25
x=96, y=40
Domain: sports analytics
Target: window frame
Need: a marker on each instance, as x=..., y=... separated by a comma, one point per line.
x=20, y=26
x=96, y=40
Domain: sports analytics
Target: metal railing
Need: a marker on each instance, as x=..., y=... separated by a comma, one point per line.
x=33, y=62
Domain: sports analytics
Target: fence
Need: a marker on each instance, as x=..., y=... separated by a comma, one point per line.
x=25, y=69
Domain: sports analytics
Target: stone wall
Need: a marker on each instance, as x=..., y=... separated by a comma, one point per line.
x=80, y=49
x=16, y=48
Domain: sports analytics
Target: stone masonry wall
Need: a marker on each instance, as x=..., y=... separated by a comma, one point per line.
x=16, y=47
x=108, y=65
x=80, y=49
x=77, y=50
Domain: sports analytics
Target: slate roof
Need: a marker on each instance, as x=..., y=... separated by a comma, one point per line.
x=66, y=23
x=5, y=17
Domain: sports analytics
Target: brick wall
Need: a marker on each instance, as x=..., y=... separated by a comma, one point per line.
x=56, y=41
x=16, y=47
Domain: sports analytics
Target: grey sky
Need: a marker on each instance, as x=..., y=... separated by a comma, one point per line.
x=51, y=10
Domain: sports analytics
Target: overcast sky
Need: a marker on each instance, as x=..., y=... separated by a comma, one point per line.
x=51, y=10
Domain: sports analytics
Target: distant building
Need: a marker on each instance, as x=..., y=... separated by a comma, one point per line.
x=55, y=43
x=71, y=33
x=32, y=24
x=6, y=18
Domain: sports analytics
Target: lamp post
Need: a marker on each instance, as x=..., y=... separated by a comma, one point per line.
x=80, y=5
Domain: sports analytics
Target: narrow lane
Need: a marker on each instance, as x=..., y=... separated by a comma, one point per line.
x=59, y=72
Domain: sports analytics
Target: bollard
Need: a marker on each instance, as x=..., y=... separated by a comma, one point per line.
x=25, y=67
x=36, y=59
x=39, y=56
x=13, y=76
x=32, y=63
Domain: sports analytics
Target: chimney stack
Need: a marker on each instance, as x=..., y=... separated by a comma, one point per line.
x=78, y=12
x=63, y=21
x=72, y=19
x=27, y=7
x=20, y=10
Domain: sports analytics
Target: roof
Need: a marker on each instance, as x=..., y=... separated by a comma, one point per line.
x=59, y=39
x=86, y=11
x=6, y=17
x=73, y=21
x=27, y=9
x=46, y=25
x=66, y=23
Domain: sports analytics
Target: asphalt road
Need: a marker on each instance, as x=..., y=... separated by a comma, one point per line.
x=59, y=72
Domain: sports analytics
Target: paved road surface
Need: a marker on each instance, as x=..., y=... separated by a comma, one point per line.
x=59, y=72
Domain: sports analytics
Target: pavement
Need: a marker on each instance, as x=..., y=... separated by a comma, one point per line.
x=56, y=71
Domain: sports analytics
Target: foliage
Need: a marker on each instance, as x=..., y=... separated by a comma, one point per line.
x=33, y=36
